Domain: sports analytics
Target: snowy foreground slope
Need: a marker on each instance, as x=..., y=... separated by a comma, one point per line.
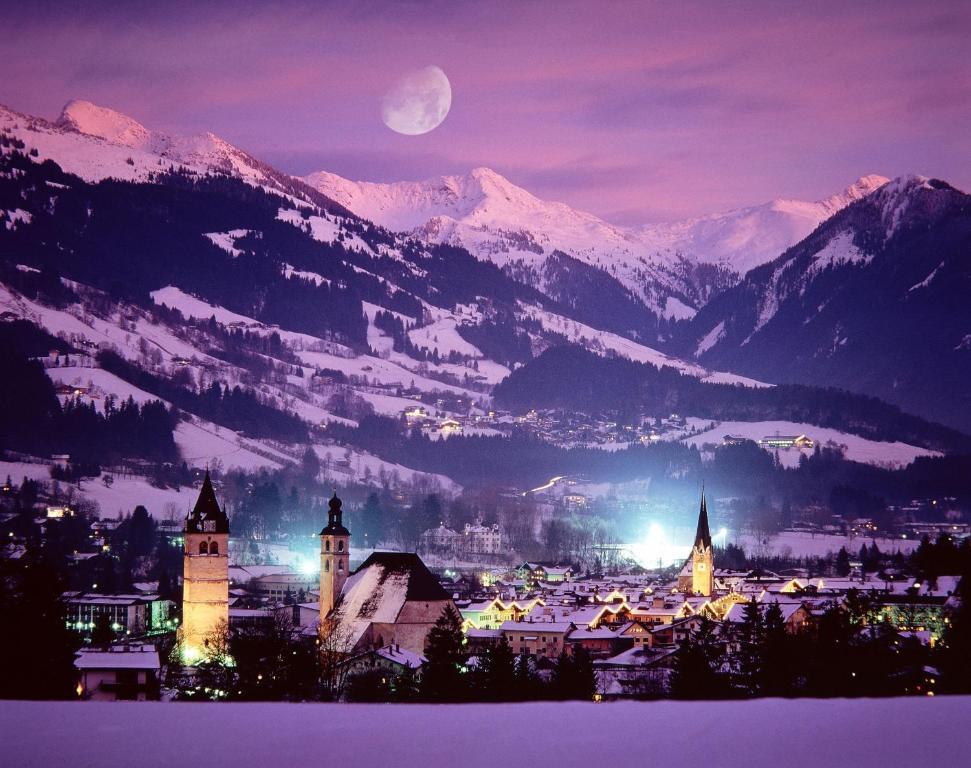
x=755, y=734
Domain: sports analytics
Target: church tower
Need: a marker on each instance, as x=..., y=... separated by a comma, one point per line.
x=702, y=560
x=205, y=574
x=334, y=557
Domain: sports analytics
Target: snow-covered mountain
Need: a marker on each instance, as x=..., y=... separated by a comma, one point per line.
x=874, y=300
x=95, y=143
x=495, y=219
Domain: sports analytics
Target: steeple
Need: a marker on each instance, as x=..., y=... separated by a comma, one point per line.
x=206, y=516
x=335, y=546
x=335, y=525
x=703, y=536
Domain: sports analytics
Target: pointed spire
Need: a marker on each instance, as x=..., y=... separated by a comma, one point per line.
x=703, y=535
x=207, y=510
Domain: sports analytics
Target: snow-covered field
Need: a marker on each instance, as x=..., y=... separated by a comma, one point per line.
x=801, y=544
x=863, y=733
x=857, y=448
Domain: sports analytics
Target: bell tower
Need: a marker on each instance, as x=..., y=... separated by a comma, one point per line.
x=702, y=559
x=334, y=557
x=205, y=574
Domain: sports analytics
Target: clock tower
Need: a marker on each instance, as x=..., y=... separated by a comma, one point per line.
x=702, y=559
x=205, y=574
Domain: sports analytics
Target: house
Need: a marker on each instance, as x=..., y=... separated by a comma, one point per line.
x=121, y=672
x=541, y=639
x=392, y=659
x=482, y=539
x=599, y=643
x=392, y=599
x=785, y=442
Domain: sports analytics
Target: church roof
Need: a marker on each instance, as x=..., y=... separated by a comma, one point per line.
x=378, y=590
x=207, y=510
x=703, y=535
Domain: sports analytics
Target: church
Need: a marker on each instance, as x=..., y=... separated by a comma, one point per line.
x=205, y=574
x=697, y=577
x=391, y=600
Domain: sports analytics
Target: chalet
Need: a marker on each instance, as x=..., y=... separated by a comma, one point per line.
x=599, y=643
x=123, y=672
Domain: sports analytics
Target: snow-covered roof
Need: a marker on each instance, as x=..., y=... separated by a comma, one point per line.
x=124, y=657
x=379, y=589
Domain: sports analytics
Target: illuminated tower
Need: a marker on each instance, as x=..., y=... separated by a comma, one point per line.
x=334, y=558
x=702, y=560
x=205, y=574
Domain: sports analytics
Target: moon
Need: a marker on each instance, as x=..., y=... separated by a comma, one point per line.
x=418, y=102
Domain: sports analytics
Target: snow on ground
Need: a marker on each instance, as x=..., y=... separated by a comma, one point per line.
x=126, y=493
x=201, y=441
x=101, y=383
x=864, y=733
x=341, y=463
x=77, y=325
x=858, y=448
x=804, y=544
x=441, y=335
x=190, y=306
x=18, y=470
x=603, y=342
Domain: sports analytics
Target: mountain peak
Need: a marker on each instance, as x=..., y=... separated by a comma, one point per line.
x=103, y=123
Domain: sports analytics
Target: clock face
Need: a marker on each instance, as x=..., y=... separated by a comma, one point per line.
x=701, y=566
x=209, y=525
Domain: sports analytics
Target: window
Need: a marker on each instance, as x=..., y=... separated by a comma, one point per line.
x=214, y=548
x=327, y=545
x=326, y=566
x=340, y=546
x=203, y=548
x=340, y=565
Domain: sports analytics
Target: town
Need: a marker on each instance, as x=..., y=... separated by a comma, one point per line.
x=215, y=625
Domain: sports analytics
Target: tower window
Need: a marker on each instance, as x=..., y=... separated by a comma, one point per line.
x=214, y=548
x=340, y=546
x=203, y=548
x=327, y=545
x=340, y=566
x=326, y=566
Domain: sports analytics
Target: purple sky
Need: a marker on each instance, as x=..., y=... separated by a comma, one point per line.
x=635, y=111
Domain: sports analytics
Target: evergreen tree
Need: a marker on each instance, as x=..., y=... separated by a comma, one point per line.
x=442, y=675
x=497, y=672
x=696, y=672
x=843, y=563
x=749, y=637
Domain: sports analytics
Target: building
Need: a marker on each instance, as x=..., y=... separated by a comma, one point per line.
x=128, y=614
x=334, y=557
x=785, y=442
x=698, y=574
x=392, y=599
x=120, y=673
x=440, y=541
x=483, y=539
x=540, y=639
x=391, y=660
x=205, y=574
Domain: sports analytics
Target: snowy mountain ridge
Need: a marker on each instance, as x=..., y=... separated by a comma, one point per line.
x=472, y=207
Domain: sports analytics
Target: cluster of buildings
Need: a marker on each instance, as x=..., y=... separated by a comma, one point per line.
x=379, y=615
